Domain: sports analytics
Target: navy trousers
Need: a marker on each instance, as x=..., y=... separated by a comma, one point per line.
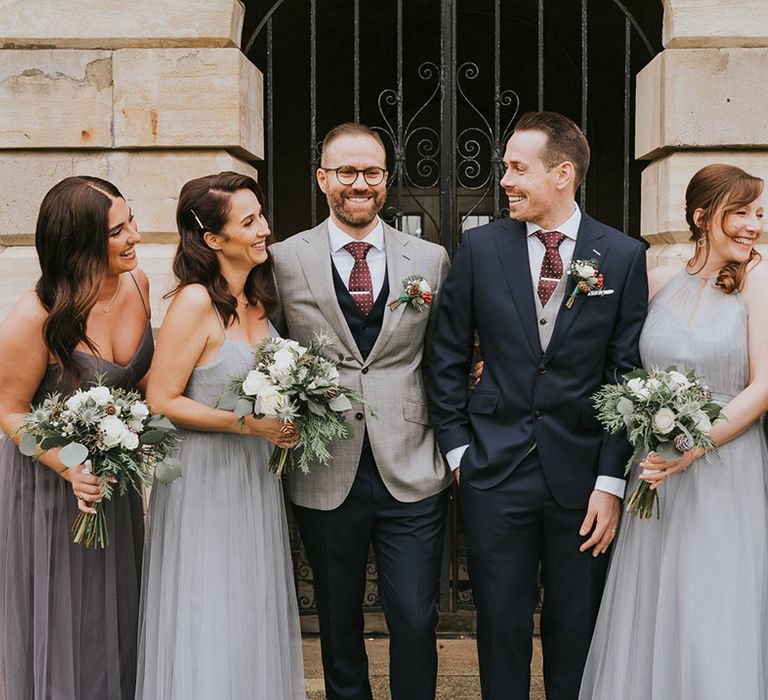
x=511, y=529
x=408, y=541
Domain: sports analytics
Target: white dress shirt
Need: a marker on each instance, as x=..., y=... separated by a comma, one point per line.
x=343, y=260
x=536, y=251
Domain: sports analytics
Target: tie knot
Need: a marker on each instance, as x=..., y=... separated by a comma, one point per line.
x=550, y=239
x=358, y=250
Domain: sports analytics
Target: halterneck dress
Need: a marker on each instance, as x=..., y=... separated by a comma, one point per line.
x=684, y=614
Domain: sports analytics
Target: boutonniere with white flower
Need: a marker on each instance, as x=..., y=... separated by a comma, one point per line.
x=416, y=292
x=586, y=276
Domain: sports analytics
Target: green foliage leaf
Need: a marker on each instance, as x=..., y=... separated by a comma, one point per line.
x=28, y=445
x=160, y=422
x=152, y=437
x=667, y=450
x=168, y=470
x=243, y=408
x=73, y=454
x=228, y=400
x=52, y=441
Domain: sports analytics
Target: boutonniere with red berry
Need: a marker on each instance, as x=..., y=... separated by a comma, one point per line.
x=587, y=277
x=416, y=292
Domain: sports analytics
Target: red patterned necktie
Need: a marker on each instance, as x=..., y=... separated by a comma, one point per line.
x=552, y=265
x=360, y=284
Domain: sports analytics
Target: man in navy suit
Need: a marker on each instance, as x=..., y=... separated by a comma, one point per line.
x=540, y=482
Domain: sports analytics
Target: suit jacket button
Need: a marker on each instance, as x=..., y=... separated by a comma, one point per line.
x=542, y=369
x=537, y=415
x=542, y=321
x=364, y=370
x=359, y=416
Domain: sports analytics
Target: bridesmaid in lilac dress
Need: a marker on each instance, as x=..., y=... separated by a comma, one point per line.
x=68, y=615
x=218, y=614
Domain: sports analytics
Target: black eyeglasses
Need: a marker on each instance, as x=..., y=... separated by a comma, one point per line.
x=347, y=175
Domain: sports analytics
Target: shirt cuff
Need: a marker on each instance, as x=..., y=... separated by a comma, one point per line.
x=454, y=456
x=612, y=485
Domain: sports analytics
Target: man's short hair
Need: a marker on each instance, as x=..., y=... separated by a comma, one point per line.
x=350, y=129
x=565, y=141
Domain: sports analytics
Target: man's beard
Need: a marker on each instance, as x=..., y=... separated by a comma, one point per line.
x=358, y=217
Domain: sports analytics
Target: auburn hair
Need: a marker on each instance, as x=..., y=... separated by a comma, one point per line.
x=718, y=190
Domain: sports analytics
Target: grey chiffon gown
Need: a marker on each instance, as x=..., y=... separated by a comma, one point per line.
x=684, y=615
x=219, y=617
x=68, y=615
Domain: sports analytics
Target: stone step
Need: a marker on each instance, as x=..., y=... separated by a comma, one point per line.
x=457, y=669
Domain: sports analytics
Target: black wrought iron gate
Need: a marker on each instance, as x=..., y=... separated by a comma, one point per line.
x=443, y=82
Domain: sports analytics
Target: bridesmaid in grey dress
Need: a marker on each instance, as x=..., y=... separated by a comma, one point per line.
x=69, y=615
x=219, y=617
x=684, y=614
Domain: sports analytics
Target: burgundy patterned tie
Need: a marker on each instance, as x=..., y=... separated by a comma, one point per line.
x=552, y=265
x=360, y=285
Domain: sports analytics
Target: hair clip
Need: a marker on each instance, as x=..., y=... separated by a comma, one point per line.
x=199, y=223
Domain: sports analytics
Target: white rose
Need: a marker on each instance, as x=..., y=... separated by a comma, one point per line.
x=663, y=421
x=271, y=402
x=293, y=345
x=254, y=383
x=424, y=287
x=136, y=425
x=113, y=429
x=702, y=422
x=284, y=360
x=74, y=402
x=638, y=388
x=585, y=271
x=625, y=407
x=101, y=395
x=680, y=379
x=130, y=441
x=139, y=410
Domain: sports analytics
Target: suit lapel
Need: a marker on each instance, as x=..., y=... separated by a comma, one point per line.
x=512, y=246
x=315, y=261
x=399, y=266
x=590, y=244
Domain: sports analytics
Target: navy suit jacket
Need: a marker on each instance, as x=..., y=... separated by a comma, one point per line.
x=527, y=396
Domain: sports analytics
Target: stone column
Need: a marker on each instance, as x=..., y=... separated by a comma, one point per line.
x=702, y=100
x=146, y=94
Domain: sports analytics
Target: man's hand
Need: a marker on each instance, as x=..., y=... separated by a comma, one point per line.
x=602, y=519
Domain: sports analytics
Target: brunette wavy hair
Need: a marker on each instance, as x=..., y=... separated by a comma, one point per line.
x=204, y=205
x=718, y=190
x=71, y=239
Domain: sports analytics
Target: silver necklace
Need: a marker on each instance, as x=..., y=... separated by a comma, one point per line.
x=105, y=308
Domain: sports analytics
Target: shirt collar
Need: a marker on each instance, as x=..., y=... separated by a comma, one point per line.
x=338, y=239
x=569, y=228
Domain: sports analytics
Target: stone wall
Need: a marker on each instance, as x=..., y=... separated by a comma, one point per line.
x=702, y=100
x=147, y=94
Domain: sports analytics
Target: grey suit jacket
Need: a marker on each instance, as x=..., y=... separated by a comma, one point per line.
x=391, y=378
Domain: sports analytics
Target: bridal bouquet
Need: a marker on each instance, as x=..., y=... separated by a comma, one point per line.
x=112, y=432
x=299, y=386
x=664, y=411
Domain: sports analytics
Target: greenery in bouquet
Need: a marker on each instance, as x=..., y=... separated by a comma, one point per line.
x=113, y=433
x=663, y=411
x=300, y=387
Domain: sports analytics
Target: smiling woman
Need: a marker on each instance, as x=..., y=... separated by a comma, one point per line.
x=221, y=529
x=87, y=321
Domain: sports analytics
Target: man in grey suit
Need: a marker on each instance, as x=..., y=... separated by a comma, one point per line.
x=388, y=483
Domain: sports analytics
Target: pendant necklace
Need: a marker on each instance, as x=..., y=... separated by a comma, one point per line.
x=105, y=308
